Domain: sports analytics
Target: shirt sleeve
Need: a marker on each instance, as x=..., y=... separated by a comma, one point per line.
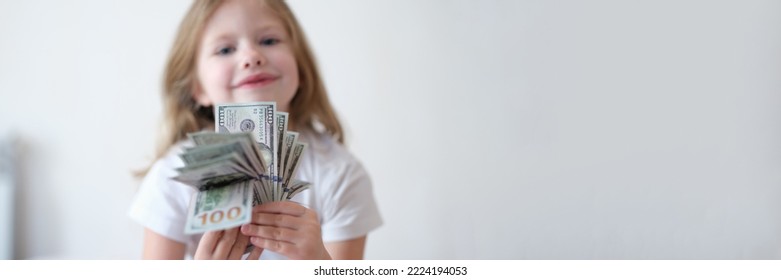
x=351, y=211
x=161, y=203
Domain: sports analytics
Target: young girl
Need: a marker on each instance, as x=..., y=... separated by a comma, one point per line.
x=237, y=51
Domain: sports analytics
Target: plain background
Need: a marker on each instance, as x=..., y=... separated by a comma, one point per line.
x=492, y=129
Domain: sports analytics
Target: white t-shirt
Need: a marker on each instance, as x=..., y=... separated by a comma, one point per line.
x=341, y=195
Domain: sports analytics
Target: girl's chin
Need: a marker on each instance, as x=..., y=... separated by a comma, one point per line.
x=246, y=97
x=259, y=96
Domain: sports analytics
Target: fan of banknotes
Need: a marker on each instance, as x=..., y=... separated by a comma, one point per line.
x=250, y=160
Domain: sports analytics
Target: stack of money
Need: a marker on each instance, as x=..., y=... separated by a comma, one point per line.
x=250, y=160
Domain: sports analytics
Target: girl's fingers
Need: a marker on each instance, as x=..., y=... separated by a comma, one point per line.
x=286, y=228
x=207, y=244
x=284, y=214
x=279, y=220
x=281, y=207
x=280, y=247
x=239, y=247
x=270, y=232
x=225, y=244
x=255, y=254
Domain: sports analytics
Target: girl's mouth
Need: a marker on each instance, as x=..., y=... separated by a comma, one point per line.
x=257, y=80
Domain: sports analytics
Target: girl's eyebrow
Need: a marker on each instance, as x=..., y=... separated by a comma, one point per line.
x=220, y=38
x=269, y=26
x=230, y=36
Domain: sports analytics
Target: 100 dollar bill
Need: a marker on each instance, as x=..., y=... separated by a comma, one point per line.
x=219, y=208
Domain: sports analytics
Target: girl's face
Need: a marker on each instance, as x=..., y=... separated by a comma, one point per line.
x=245, y=55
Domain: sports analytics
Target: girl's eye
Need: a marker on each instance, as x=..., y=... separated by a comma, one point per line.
x=269, y=41
x=225, y=50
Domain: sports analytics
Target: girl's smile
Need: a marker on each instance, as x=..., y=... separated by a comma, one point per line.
x=256, y=81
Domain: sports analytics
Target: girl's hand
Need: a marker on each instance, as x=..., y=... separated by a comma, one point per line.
x=288, y=229
x=226, y=244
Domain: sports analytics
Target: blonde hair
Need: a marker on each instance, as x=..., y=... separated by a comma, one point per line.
x=309, y=109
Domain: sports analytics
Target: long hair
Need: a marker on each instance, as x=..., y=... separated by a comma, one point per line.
x=309, y=109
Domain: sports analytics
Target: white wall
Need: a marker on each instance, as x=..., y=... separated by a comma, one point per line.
x=492, y=129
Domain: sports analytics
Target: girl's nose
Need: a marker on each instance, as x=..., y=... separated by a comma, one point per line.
x=253, y=58
x=252, y=62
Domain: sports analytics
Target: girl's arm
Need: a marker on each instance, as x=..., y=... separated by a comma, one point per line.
x=158, y=247
x=347, y=250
